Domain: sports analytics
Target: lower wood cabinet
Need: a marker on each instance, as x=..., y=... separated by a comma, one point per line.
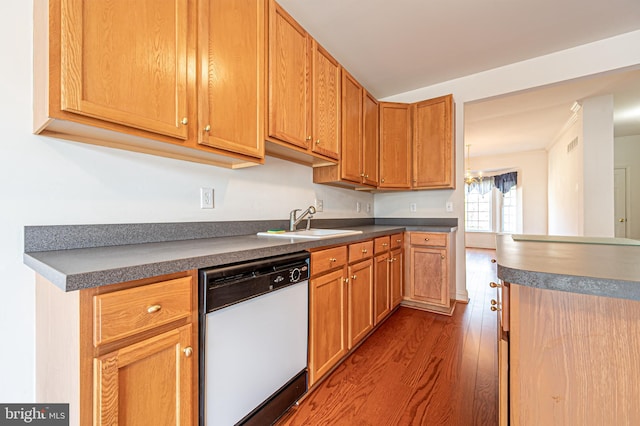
x=382, y=305
x=431, y=284
x=360, y=297
x=120, y=354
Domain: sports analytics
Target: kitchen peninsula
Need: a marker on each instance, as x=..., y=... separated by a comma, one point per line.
x=569, y=333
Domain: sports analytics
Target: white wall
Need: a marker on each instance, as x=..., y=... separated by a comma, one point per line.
x=48, y=181
x=531, y=193
x=597, y=130
x=598, y=57
x=581, y=181
x=627, y=155
x=565, y=182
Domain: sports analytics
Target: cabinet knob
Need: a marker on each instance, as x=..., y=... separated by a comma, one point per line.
x=308, y=138
x=346, y=280
x=184, y=121
x=364, y=250
x=382, y=180
x=361, y=174
x=318, y=142
x=493, y=261
x=398, y=241
x=426, y=239
x=207, y=128
x=494, y=302
x=188, y=351
x=333, y=259
x=494, y=285
x=394, y=259
x=154, y=308
x=442, y=256
x=621, y=220
x=494, y=309
x=353, y=277
x=384, y=244
x=367, y=176
x=390, y=260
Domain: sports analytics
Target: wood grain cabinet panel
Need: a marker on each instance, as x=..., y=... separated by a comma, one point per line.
x=147, y=381
x=351, y=165
x=396, y=276
x=433, y=144
x=382, y=301
x=431, y=282
x=395, y=145
x=126, y=62
x=327, y=322
x=231, y=90
x=370, y=139
x=289, y=118
x=360, y=293
x=326, y=103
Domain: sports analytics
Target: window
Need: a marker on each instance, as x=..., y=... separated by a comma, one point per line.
x=478, y=211
x=491, y=212
x=508, y=221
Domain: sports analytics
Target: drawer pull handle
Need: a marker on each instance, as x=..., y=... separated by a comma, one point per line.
x=333, y=259
x=364, y=250
x=353, y=277
x=494, y=285
x=188, y=351
x=398, y=241
x=384, y=244
x=154, y=308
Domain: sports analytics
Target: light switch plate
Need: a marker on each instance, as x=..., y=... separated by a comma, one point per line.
x=206, y=198
x=449, y=206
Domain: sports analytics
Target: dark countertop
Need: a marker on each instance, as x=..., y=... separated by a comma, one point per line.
x=595, y=266
x=78, y=268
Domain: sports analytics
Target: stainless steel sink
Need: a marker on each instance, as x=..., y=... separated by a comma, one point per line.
x=311, y=234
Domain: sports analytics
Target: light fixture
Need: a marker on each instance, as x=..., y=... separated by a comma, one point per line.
x=468, y=178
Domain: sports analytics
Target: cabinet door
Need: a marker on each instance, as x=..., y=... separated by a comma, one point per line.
x=289, y=95
x=429, y=276
x=395, y=139
x=351, y=158
x=326, y=103
x=148, y=380
x=327, y=323
x=126, y=62
x=382, y=305
x=395, y=277
x=433, y=146
x=370, y=138
x=360, y=301
x=231, y=86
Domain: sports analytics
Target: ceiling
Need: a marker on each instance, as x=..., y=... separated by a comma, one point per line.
x=396, y=46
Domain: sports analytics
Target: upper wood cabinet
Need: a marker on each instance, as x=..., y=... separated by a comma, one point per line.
x=231, y=90
x=370, y=139
x=126, y=62
x=433, y=144
x=304, y=93
x=326, y=103
x=290, y=106
x=395, y=145
x=123, y=74
x=351, y=158
x=358, y=167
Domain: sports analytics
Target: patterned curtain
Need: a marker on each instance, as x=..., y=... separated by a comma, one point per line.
x=505, y=181
x=482, y=185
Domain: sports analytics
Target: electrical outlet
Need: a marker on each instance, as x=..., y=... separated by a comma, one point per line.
x=368, y=207
x=358, y=207
x=206, y=198
x=449, y=206
x=413, y=207
x=319, y=204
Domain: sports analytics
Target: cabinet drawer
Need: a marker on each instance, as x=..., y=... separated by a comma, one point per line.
x=325, y=260
x=127, y=312
x=396, y=241
x=428, y=239
x=382, y=244
x=359, y=251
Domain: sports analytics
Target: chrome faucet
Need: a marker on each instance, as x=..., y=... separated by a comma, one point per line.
x=294, y=220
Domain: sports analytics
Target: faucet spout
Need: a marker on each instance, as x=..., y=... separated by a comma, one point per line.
x=294, y=219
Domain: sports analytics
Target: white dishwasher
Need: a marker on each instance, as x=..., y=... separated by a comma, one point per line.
x=253, y=340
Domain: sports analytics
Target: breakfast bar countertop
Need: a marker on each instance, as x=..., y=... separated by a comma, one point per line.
x=608, y=267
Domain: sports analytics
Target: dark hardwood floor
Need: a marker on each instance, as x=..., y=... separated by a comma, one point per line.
x=418, y=368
